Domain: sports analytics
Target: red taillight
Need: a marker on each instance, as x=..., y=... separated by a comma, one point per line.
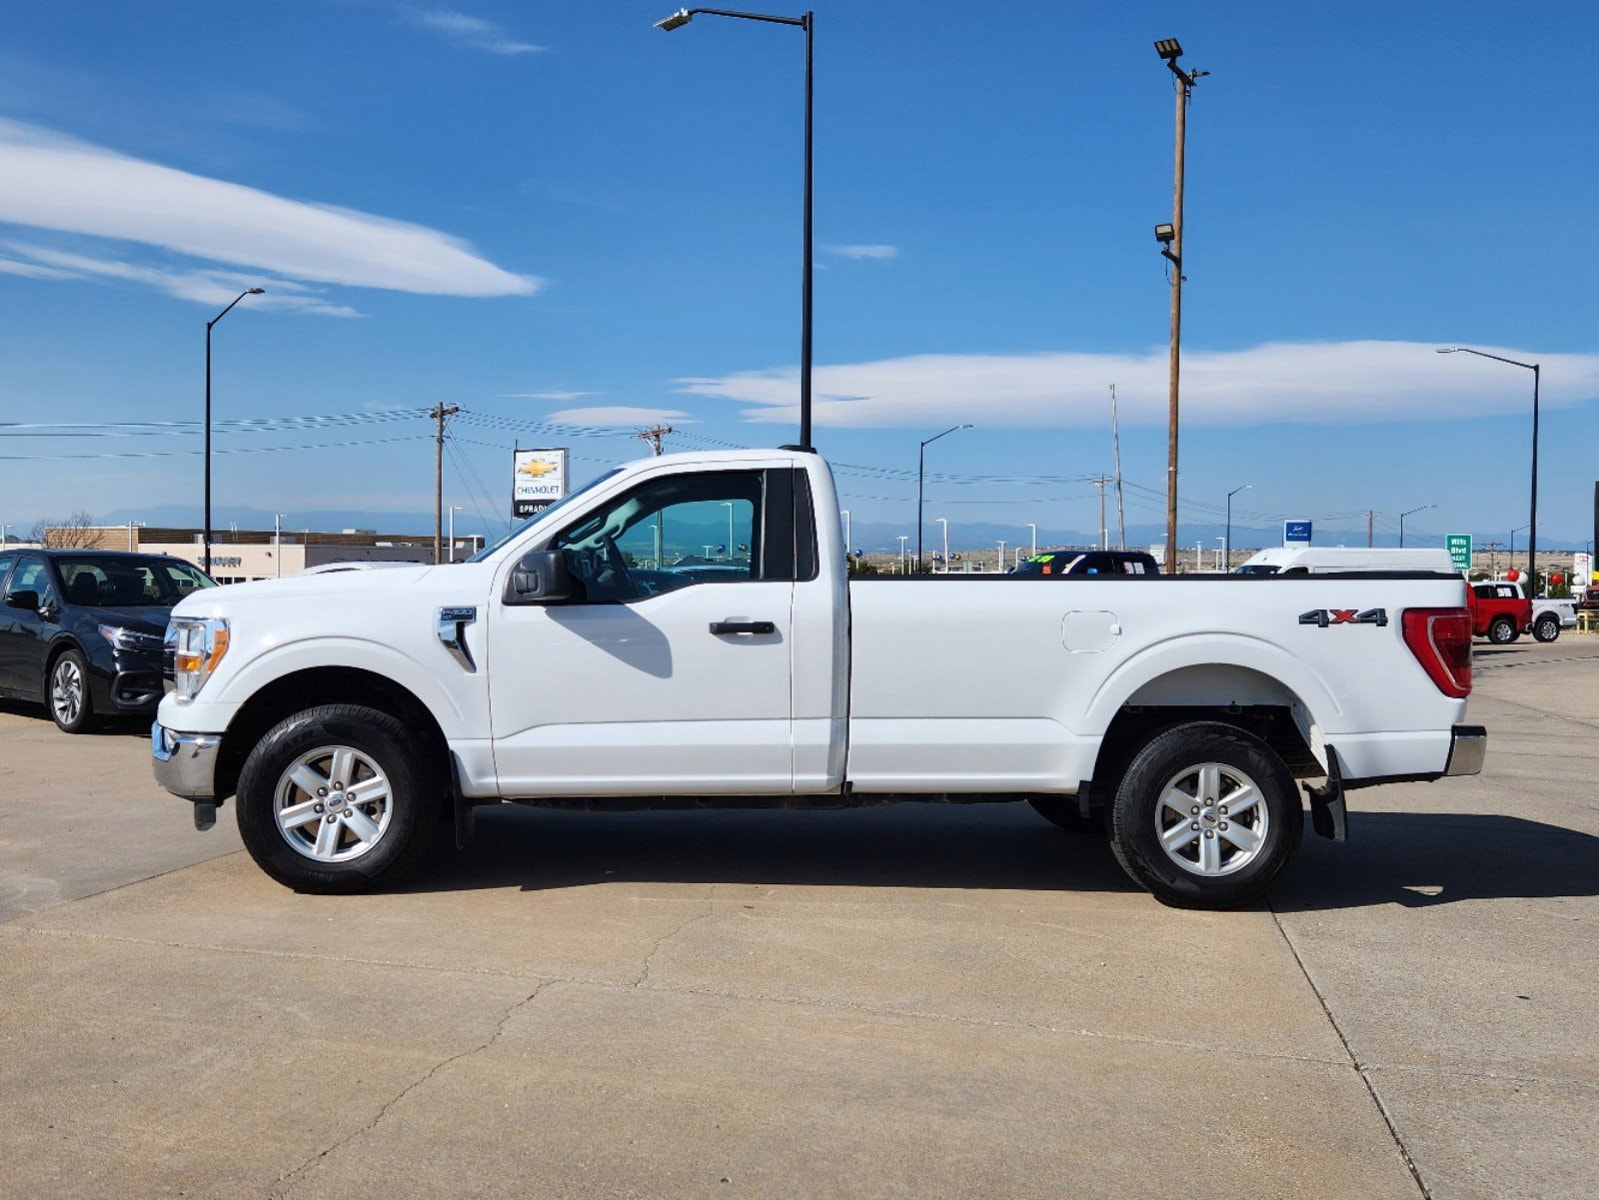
x=1440, y=638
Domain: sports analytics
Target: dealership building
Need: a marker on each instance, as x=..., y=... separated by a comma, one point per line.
x=242, y=556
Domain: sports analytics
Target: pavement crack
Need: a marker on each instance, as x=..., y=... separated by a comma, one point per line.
x=649, y=958
x=1354, y=1059
x=287, y=1183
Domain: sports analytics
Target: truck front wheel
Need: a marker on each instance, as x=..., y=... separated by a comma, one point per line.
x=337, y=799
x=1207, y=816
x=1546, y=628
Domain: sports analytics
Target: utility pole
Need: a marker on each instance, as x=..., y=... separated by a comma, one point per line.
x=440, y=413
x=1493, y=548
x=1171, y=239
x=1116, y=450
x=1100, y=481
x=1371, y=516
x=654, y=436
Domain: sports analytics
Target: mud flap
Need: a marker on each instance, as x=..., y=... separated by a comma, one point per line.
x=205, y=814
x=1328, y=815
x=465, y=810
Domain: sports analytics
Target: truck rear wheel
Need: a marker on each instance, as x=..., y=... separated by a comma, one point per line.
x=338, y=799
x=1546, y=628
x=1502, y=631
x=1207, y=816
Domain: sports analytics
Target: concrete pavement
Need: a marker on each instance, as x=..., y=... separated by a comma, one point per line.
x=917, y=1001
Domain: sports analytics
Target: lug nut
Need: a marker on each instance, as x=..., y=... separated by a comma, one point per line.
x=1224, y=824
x=337, y=786
x=1195, y=825
x=1223, y=810
x=1194, y=810
x=331, y=818
x=317, y=808
x=1208, y=832
x=322, y=791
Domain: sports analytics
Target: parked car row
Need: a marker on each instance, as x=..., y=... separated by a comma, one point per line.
x=81, y=631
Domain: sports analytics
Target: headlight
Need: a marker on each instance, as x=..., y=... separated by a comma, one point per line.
x=129, y=639
x=198, y=644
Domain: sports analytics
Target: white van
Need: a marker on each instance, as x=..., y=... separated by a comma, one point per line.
x=1325, y=560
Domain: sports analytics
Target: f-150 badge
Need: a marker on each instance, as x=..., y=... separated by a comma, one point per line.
x=1344, y=616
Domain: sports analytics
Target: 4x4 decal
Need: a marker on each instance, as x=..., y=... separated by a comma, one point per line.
x=1344, y=616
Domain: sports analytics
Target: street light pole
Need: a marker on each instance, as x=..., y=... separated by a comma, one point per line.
x=944, y=521
x=1171, y=239
x=1034, y=529
x=454, y=508
x=1227, y=544
x=1001, y=556
x=209, y=325
x=847, y=552
x=808, y=23
x=1532, y=526
x=1405, y=514
x=902, y=540
x=921, y=480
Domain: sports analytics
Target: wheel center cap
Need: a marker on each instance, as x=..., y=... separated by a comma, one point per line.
x=336, y=801
x=1208, y=816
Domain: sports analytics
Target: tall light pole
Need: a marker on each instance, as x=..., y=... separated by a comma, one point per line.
x=1227, y=544
x=902, y=540
x=1170, y=238
x=921, y=482
x=454, y=508
x=1034, y=528
x=209, y=325
x=1512, y=555
x=1532, y=535
x=847, y=551
x=729, y=506
x=944, y=521
x=808, y=23
x=1001, y=556
x=1407, y=513
x=1221, y=549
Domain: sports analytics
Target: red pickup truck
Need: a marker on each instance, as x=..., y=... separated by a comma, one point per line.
x=1499, y=612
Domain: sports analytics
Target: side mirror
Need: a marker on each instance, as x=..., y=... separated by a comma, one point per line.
x=540, y=577
x=28, y=601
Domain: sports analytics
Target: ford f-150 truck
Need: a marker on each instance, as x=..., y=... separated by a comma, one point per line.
x=683, y=632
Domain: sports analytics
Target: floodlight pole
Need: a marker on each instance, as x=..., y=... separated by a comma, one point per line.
x=1227, y=544
x=1532, y=528
x=209, y=325
x=921, y=480
x=808, y=23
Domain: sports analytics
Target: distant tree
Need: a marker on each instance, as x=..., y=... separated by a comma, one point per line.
x=76, y=532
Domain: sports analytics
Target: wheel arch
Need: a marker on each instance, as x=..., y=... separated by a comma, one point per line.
x=312, y=686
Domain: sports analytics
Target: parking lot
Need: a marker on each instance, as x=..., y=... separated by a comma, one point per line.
x=919, y=1001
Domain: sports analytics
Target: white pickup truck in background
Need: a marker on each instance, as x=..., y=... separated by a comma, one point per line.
x=683, y=629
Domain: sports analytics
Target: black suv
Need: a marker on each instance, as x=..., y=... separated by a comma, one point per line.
x=1088, y=562
x=81, y=630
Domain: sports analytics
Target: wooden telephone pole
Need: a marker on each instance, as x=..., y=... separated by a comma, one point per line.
x=654, y=436
x=1371, y=516
x=439, y=414
x=1100, y=481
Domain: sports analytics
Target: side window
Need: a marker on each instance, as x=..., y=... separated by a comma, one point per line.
x=31, y=575
x=668, y=534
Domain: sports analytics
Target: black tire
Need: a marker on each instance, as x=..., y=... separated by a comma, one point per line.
x=1065, y=813
x=1502, y=631
x=66, y=692
x=415, y=792
x=1139, y=816
x=1546, y=628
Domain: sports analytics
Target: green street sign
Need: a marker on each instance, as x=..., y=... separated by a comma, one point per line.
x=1459, y=546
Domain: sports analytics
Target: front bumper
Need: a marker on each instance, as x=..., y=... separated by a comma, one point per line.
x=1468, y=746
x=185, y=763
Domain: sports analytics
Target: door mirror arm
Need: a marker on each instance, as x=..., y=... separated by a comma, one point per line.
x=540, y=577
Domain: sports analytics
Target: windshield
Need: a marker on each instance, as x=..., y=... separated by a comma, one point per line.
x=1255, y=569
x=129, y=581
x=541, y=514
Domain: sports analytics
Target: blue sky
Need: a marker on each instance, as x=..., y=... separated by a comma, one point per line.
x=556, y=211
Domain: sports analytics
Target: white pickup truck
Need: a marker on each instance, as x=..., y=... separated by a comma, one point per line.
x=683, y=631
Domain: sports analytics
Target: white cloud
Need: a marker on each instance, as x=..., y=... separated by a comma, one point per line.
x=617, y=415
x=864, y=251
x=563, y=397
x=464, y=30
x=1309, y=383
x=28, y=270
x=204, y=286
x=51, y=181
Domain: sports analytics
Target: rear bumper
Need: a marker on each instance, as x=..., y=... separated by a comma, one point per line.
x=1468, y=746
x=185, y=763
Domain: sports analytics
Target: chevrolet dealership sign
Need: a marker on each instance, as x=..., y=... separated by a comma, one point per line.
x=540, y=480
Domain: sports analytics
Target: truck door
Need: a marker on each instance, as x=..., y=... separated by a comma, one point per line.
x=668, y=667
